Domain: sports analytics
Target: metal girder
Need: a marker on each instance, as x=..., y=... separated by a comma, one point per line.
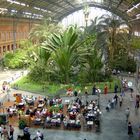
x=62, y=8
x=70, y=3
x=120, y=2
x=56, y=4
x=112, y=10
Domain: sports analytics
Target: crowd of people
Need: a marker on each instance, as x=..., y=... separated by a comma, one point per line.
x=119, y=98
x=50, y=111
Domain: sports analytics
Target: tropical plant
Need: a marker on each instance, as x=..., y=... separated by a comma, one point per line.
x=64, y=52
x=112, y=37
x=21, y=57
x=135, y=42
x=41, y=31
x=93, y=64
x=16, y=60
x=22, y=124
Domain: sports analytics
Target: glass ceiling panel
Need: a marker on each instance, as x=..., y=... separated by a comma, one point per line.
x=84, y=1
x=78, y=17
x=61, y=8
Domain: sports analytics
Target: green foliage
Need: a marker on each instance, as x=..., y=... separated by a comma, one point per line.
x=64, y=52
x=40, y=32
x=125, y=64
x=38, y=73
x=65, y=58
x=52, y=89
x=21, y=57
x=135, y=42
x=15, y=60
x=22, y=124
x=131, y=65
x=111, y=38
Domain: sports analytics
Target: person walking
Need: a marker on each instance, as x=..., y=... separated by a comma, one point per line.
x=127, y=113
x=130, y=130
x=5, y=134
x=137, y=101
x=11, y=132
x=116, y=99
x=121, y=100
x=122, y=92
x=86, y=95
x=105, y=89
x=116, y=88
x=26, y=133
x=94, y=90
x=1, y=130
x=39, y=136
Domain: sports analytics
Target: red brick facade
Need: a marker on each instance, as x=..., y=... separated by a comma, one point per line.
x=13, y=30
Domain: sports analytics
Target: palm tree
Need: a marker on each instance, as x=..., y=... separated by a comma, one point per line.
x=40, y=32
x=111, y=32
x=64, y=52
x=93, y=63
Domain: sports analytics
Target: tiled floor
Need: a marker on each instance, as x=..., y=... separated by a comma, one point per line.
x=113, y=125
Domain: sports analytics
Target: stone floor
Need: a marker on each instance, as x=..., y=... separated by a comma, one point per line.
x=113, y=123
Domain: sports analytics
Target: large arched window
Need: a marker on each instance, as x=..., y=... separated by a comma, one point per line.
x=78, y=17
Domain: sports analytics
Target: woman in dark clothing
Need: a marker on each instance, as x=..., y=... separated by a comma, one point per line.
x=94, y=90
x=130, y=130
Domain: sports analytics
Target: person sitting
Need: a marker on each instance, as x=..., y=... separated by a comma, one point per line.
x=69, y=92
x=27, y=112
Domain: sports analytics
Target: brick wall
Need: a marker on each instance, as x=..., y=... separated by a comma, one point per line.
x=13, y=30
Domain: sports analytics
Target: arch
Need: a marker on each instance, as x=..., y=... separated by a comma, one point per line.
x=8, y=47
x=119, y=13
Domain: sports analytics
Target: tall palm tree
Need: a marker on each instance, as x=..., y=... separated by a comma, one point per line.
x=110, y=32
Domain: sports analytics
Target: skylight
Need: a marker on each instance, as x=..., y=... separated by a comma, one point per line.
x=3, y=10
x=134, y=7
x=16, y=2
x=40, y=9
x=84, y=1
x=14, y=11
x=78, y=17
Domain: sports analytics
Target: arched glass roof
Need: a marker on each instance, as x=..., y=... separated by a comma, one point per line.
x=78, y=17
x=58, y=9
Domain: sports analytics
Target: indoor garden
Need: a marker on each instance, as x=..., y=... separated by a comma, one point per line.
x=58, y=58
